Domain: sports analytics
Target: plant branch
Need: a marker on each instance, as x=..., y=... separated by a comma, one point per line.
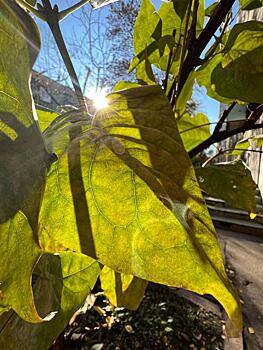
x=220, y=136
x=51, y=16
x=228, y=150
x=169, y=64
x=68, y=11
x=217, y=42
x=193, y=56
x=172, y=92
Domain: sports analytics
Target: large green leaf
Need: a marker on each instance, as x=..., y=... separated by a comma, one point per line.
x=232, y=182
x=236, y=73
x=62, y=280
x=18, y=249
x=23, y=160
x=144, y=27
x=204, y=78
x=193, y=129
x=162, y=34
x=122, y=290
x=250, y=4
x=146, y=214
x=244, y=47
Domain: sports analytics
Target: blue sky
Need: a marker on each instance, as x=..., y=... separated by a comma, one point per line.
x=207, y=105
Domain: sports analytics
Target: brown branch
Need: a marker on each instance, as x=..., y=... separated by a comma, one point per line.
x=194, y=55
x=214, y=138
x=172, y=93
x=217, y=42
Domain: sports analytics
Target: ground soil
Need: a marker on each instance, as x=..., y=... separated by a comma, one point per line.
x=163, y=321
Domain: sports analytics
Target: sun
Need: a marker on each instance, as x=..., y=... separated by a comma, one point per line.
x=99, y=99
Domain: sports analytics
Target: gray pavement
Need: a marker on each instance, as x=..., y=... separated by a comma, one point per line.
x=244, y=254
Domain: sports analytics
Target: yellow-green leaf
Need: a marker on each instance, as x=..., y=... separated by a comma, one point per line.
x=235, y=74
x=18, y=249
x=45, y=117
x=193, y=129
x=62, y=284
x=231, y=182
x=23, y=160
x=122, y=290
x=136, y=204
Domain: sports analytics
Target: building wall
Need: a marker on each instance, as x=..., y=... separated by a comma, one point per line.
x=254, y=160
x=50, y=94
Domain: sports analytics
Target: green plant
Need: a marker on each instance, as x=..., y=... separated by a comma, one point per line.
x=115, y=194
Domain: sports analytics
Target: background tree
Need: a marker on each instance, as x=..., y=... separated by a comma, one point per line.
x=121, y=19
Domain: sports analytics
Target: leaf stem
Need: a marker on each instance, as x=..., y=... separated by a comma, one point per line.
x=221, y=151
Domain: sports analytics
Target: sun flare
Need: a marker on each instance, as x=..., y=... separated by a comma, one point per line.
x=99, y=99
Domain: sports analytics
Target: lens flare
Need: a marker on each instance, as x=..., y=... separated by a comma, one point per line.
x=99, y=99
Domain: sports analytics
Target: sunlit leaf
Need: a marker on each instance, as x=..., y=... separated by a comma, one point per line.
x=122, y=290
x=123, y=85
x=236, y=73
x=45, y=117
x=144, y=27
x=193, y=129
x=231, y=182
x=185, y=94
x=204, y=78
x=23, y=160
x=18, y=249
x=146, y=214
x=163, y=33
x=63, y=281
x=244, y=47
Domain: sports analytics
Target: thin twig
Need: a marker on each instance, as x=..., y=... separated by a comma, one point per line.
x=169, y=64
x=228, y=150
x=68, y=11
